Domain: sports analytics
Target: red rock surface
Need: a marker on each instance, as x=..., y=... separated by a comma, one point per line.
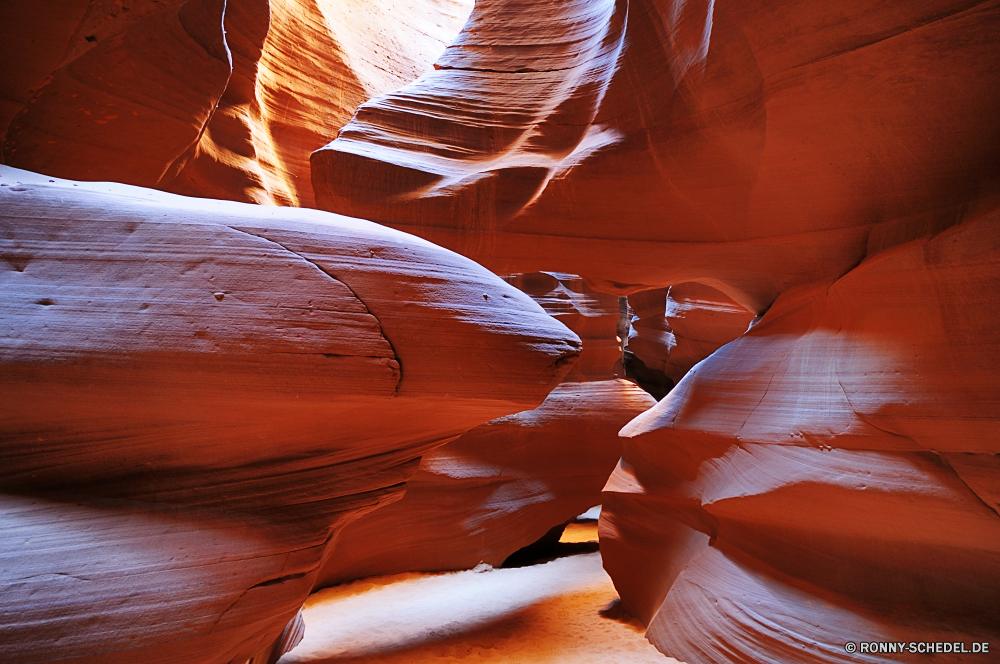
x=748, y=147
x=504, y=484
x=204, y=97
x=592, y=315
x=831, y=475
x=496, y=489
x=675, y=328
x=828, y=476
x=196, y=395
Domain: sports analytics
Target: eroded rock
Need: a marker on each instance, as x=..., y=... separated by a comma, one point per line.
x=829, y=168
x=504, y=484
x=204, y=97
x=198, y=394
x=651, y=142
x=497, y=488
x=675, y=328
x=797, y=489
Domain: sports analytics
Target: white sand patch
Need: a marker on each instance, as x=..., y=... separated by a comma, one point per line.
x=542, y=613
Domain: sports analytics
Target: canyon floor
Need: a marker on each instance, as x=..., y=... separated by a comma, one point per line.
x=555, y=611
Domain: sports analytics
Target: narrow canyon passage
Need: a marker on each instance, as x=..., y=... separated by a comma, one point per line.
x=320, y=320
x=549, y=612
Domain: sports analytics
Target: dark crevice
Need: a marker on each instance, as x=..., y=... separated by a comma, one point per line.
x=280, y=579
x=548, y=548
x=653, y=381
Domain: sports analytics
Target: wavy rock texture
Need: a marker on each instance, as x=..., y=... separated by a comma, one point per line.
x=675, y=328
x=504, y=484
x=830, y=476
x=748, y=147
x=592, y=315
x=496, y=489
x=205, y=97
x=196, y=395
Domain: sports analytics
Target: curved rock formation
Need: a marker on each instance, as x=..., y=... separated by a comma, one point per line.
x=830, y=476
x=504, y=484
x=592, y=315
x=675, y=328
x=748, y=147
x=225, y=99
x=497, y=488
x=196, y=395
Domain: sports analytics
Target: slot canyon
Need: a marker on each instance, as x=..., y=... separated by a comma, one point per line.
x=536, y=332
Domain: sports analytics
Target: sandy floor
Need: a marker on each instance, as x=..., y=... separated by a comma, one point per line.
x=540, y=613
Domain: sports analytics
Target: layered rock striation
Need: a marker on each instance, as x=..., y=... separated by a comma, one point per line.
x=504, y=484
x=646, y=143
x=830, y=476
x=197, y=395
x=212, y=98
x=594, y=317
x=674, y=328
x=826, y=476
x=497, y=488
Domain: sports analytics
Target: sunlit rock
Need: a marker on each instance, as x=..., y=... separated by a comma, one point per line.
x=651, y=142
x=830, y=476
x=212, y=98
x=197, y=395
x=506, y=483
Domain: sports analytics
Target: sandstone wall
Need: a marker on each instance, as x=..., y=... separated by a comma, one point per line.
x=504, y=484
x=212, y=98
x=826, y=476
x=197, y=395
x=674, y=328
x=646, y=143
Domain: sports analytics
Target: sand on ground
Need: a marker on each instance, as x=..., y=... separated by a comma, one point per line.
x=546, y=613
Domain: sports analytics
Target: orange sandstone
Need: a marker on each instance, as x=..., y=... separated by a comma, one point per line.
x=197, y=395
x=204, y=97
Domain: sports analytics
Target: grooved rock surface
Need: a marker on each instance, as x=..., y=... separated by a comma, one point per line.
x=213, y=98
x=830, y=476
x=675, y=328
x=644, y=143
x=592, y=315
x=496, y=489
x=504, y=484
x=196, y=395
